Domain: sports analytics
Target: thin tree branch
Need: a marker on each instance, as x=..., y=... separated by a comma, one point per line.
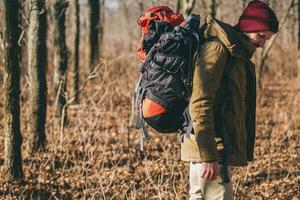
x=266, y=50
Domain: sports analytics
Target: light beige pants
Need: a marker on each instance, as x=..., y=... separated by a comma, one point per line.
x=208, y=190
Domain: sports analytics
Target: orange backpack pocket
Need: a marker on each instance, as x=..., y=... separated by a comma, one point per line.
x=151, y=108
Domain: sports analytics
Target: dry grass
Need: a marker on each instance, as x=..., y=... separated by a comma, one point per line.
x=97, y=155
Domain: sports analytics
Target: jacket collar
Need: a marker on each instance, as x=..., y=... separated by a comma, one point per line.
x=237, y=43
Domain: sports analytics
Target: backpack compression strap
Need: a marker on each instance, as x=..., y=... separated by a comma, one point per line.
x=140, y=123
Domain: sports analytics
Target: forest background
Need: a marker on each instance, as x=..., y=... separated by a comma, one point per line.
x=91, y=149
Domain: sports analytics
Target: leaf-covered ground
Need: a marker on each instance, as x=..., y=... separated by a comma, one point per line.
x=96, y=156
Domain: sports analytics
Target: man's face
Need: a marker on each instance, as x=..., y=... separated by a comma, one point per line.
x=259, y=38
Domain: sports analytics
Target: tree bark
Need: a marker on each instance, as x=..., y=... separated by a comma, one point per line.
x=101, y=26
x=93, y=33
x=75, y=48
x=178, y=6
x=212, y=8
x=244, y=3
x=60, y=56
x=37, y=61
x=188, y=6
x=298, y=59
x=141, y=6
x=12, y=134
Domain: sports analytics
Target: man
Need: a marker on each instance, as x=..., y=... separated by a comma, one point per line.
x=222, y=104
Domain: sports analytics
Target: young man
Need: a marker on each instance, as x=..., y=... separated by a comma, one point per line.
x=222, y=104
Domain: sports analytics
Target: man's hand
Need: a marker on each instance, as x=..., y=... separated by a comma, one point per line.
x=211, y=170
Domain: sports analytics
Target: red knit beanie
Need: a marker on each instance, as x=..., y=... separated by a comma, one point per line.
x=257, y=16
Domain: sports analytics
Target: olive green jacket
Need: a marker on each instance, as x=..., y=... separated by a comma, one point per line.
x=223, y=98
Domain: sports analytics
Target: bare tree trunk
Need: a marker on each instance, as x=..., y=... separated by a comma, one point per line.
x=60, y=56
x=24, y=24
x=271, y=3
x=101, y=26
x=188, y=6
x=212, y=6
x=141, y=6
x=12, y=134
x=37, y=61
x=298, y=47
x=244, y=3
x=93, y=33
x=75, y=49
x=178, y=6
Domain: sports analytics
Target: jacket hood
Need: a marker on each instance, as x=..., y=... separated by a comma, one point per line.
x=237, y=43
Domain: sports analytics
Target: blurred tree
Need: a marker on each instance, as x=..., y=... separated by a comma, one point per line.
x=60, y=57
x=270, y=2
x=127, y=12
x=94, y=26
x=75, y=49
x=24, y=25
x=186, y=6
x=212, y=8
x=245, y=2
x=141, y=6
x=178, y=6
x=298, y=60
x=37, y=61
x=101, y=25
x=12, y=134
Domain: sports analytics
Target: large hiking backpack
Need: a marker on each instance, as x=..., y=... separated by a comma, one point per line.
x=164, y=86
x=154, y=22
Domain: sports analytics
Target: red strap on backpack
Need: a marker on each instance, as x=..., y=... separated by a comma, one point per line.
x=156, y=13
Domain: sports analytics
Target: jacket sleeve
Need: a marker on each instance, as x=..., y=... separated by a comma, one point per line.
x=206, y=80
